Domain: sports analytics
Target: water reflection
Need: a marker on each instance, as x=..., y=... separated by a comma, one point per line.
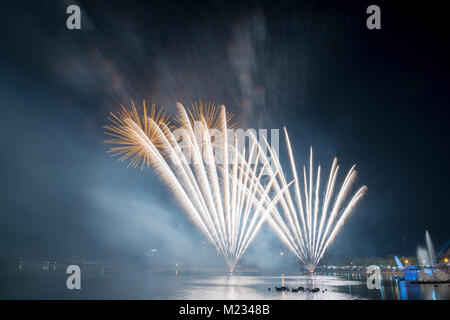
x=256, y=288
x=332, y=287
x=130, y=284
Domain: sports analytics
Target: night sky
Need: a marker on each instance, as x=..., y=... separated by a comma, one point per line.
x=377, y=98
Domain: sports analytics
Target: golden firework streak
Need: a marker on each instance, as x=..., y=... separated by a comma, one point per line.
x=225, y=199
x=123, y=134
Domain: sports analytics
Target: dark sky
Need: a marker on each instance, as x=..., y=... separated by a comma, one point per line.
x=375, y=98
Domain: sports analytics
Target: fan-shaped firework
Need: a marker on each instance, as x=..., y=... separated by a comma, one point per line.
x=218, y=186
x=309, y=227
x=123, y=132
x=210, y=112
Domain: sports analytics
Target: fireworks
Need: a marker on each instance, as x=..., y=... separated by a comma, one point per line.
x=309, y=227
x=122, y=131
x=229, y=189
x=210, y=112
x=217, y=186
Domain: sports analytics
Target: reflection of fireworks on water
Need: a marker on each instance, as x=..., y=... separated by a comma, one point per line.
x=225, y=198
x=310, y=227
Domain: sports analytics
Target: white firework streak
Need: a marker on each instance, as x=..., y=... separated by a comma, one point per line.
x=229, y=205
x=310, y=229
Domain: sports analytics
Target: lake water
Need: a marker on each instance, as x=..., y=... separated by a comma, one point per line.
x=51, y=284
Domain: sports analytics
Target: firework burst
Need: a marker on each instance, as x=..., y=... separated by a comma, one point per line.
x=209, y=112
x=306, y=223
x=218, y=187
x=122, y=130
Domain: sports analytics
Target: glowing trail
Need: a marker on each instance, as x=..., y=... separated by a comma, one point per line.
x=218, y=187
x=309, y=228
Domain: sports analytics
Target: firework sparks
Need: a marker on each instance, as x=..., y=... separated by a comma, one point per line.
x=208, y=111
x=309, y=228
x=225, y=198
x=221, y=188
x=122, y=132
